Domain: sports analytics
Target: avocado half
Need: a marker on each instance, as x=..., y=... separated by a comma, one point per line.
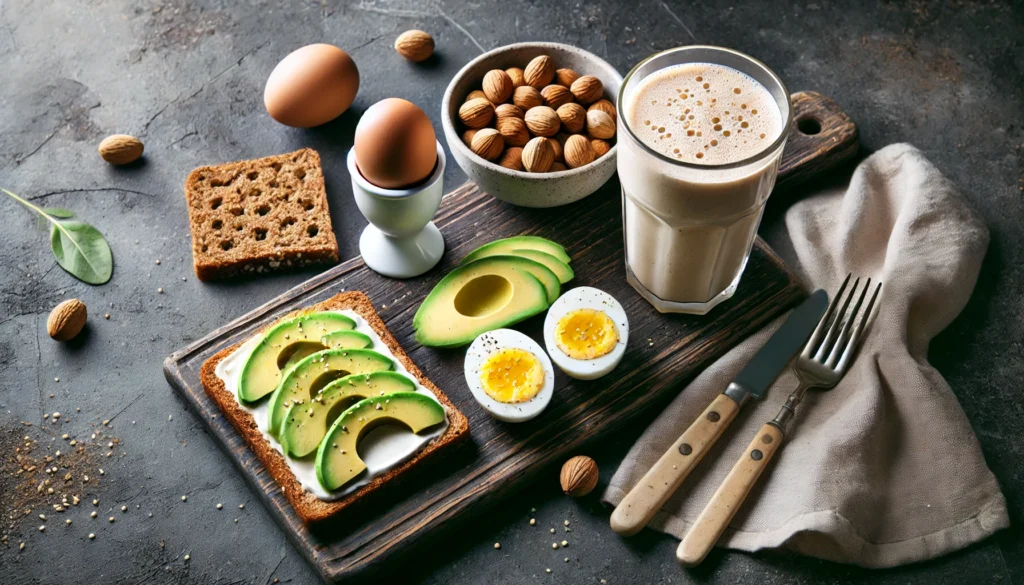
x=337, y=459
x=316, y=371
x=484, y=294
x=263, y=370
x=305, y=425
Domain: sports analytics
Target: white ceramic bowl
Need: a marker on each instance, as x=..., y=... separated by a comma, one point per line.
x=520, y=187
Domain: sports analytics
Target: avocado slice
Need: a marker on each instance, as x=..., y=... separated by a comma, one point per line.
x=338, y=339
x=337, y=459
x=314, y=372
x=262, y=371
x=306, y=424
x=561, y=269
x=507, y=245
x=485, y=294
x=552, y=286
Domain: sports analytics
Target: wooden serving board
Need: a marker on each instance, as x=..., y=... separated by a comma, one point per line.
x=663, y=353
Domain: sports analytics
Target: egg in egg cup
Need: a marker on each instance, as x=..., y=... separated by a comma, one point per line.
x=401, y=240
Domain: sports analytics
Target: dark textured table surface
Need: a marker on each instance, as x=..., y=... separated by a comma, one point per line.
x=187, y=77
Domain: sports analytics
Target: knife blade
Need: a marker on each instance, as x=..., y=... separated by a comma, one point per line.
x=668, y=473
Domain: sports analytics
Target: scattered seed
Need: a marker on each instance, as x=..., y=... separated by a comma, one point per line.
x=92, y=536
x=184, y=498
x=497, y=545
x=68, y=522
x=158, y=261
x=160, y=291
x=552, y=531
x=241, y=506
x=548, y=570
x=219, y=506
x=106, y=315
x=533, y=521
x=566, y=522
x=124, y=508
x=111, y=518
x=101, y=472
x=188, y=558
x=567, y=559
x=21, y=546
x=95, y=502
x=565, y=543
x=554, y=545
x=94, y=514
x=42, y=528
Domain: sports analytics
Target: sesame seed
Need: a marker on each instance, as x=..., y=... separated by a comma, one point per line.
x=124, y=508
x=565, y=543
x=497, y=545
x=92, y=536
x=184, y=498
x=188, y=557
x=93, y=515
x=219, y=506
x=554, y=545
x=533, y=521
x=111, y=518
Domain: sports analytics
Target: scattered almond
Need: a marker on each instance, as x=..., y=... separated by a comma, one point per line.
x=556, y=95
x=600, y=125
x=513, y=131
x=512, y=158
x=415, y=45
x=542, y=121
x=488, y=144
x=565, y=77
x=539, y=71
x=579, y=476
x=497, y=86
x=578, y=151
x=527, y=97
x=66, y=320
x=573, y=117
x=476, y=113
x=121, y=149
x=587, y=89
x=538, y=155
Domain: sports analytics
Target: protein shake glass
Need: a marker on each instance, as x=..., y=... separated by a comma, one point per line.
x=701, y=135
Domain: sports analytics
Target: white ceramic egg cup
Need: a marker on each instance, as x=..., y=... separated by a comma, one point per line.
x=401, y=240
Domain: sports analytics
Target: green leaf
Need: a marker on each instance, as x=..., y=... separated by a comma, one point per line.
x=59, y=212
x=81, y=250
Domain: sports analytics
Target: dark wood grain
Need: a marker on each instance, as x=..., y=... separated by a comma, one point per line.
x=663, y=353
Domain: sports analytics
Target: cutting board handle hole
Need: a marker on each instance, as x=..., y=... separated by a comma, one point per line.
x=808, y=126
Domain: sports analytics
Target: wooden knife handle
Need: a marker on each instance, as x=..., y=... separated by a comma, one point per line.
x=727, y=500
x=661, y=481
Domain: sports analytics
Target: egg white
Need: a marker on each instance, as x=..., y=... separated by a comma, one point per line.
x=485, y=345
x=586, y=297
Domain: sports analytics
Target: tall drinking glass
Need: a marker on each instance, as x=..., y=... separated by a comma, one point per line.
x=694, y=185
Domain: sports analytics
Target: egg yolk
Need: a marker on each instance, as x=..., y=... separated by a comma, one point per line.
x=585, y=334
x=512, y=375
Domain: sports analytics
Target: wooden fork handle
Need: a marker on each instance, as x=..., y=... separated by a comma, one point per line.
x=727, y=500
x=663, y=479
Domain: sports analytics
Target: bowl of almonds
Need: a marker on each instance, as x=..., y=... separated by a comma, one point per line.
x=534, y=124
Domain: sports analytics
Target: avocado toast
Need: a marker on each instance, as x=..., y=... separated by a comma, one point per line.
x=308, y=505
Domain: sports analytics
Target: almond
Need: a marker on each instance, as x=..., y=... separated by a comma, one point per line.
x=467, y=136
x=557, y=166
x=476, y=94
x=415, y=45
x=542, y=121
x=573, y=117
x=121, y=149
x=497, y=86
x=600, y=125
x=538, y=155
x=555, y=95
x=512, y=158
x=488, y=144
x=579, y=476
x=527, y=97
x=508, y=111
x=587, y=89
x=66, y=320
x=514, y=131
x=558, y=148
x=516, y=75
x=539, y=71
x=578, y=151
x=600, y=147
x=605, y=106
x=565, y=77
x=476, y=113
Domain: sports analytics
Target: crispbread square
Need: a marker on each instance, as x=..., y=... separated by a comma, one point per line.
x=259, y=215
x=307, y=506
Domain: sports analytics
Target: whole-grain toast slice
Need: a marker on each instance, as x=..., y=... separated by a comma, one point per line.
x=307, y=506
x=259, y=215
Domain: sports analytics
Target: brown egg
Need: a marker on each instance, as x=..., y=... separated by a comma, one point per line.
x=311, y=86
x=395, y=144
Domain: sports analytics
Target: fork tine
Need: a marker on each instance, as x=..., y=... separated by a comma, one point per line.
x=830, y=337
x=851, y=345
x=812, y=343
x=841, y=340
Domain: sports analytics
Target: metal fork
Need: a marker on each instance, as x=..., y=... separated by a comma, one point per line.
x=821, y=364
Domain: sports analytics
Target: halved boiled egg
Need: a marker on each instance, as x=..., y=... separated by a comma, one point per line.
x=586, y=332
x=509, y=375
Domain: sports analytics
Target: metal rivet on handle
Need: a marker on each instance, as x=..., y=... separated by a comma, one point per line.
x=685, y=449
x=756, y=455
x=714, y=416
x=767, y=439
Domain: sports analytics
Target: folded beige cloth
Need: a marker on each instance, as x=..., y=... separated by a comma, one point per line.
x=884, y=469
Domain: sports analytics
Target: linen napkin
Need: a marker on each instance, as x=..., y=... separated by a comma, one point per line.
x=884, y=469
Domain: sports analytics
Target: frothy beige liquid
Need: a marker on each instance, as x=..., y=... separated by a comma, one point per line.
x=689, y=231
